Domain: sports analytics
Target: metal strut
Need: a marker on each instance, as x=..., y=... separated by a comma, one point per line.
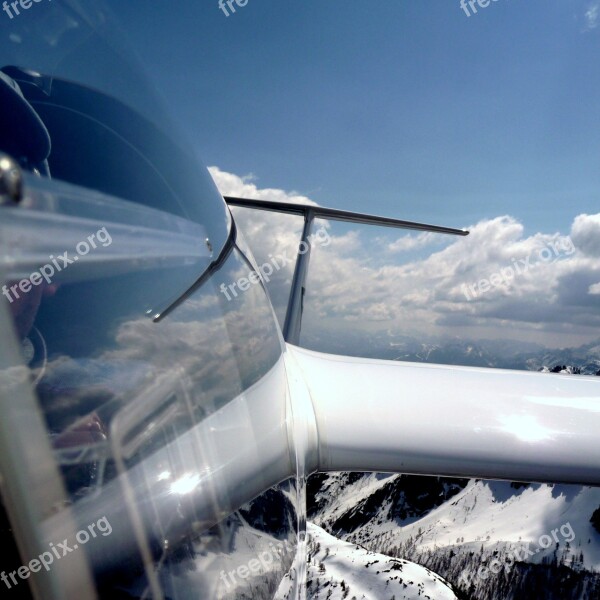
x=293, y=316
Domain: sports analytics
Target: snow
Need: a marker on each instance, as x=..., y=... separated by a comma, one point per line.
x=339, y=570
x=347, y=496
x=494, y=515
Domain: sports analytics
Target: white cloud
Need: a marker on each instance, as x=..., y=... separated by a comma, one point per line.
x=243, y=187
x=413, y=242
x=592, y=16
x=270, y=234
x=586, y=234
x=352, y=280
x=595, y=289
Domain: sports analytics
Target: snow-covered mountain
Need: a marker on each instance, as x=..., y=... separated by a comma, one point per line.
x=541, y=536
x=461, y=529
x=339, y=570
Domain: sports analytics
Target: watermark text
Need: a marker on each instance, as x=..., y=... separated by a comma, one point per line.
x=22, y=4
x=521, y=555
x=56, y=264
x=225, y=4
x=257, y=565
x=546, y=255
x=266, y=270
x=57, y=551
x=473, y=4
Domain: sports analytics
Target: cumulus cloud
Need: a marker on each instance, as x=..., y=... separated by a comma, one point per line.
x=585, y=232
x=411, y=242
x=244, y=187
x=496, y=282
x=270, y=234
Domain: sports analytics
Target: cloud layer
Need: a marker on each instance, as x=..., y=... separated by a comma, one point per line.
x=498, y=282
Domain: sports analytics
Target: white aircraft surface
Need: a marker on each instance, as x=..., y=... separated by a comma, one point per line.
x=156, y=434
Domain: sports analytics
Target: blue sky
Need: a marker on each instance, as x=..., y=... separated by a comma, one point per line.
x=410, y=109
x=414, y=110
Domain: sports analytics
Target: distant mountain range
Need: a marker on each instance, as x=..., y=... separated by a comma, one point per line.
x=501, y=354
